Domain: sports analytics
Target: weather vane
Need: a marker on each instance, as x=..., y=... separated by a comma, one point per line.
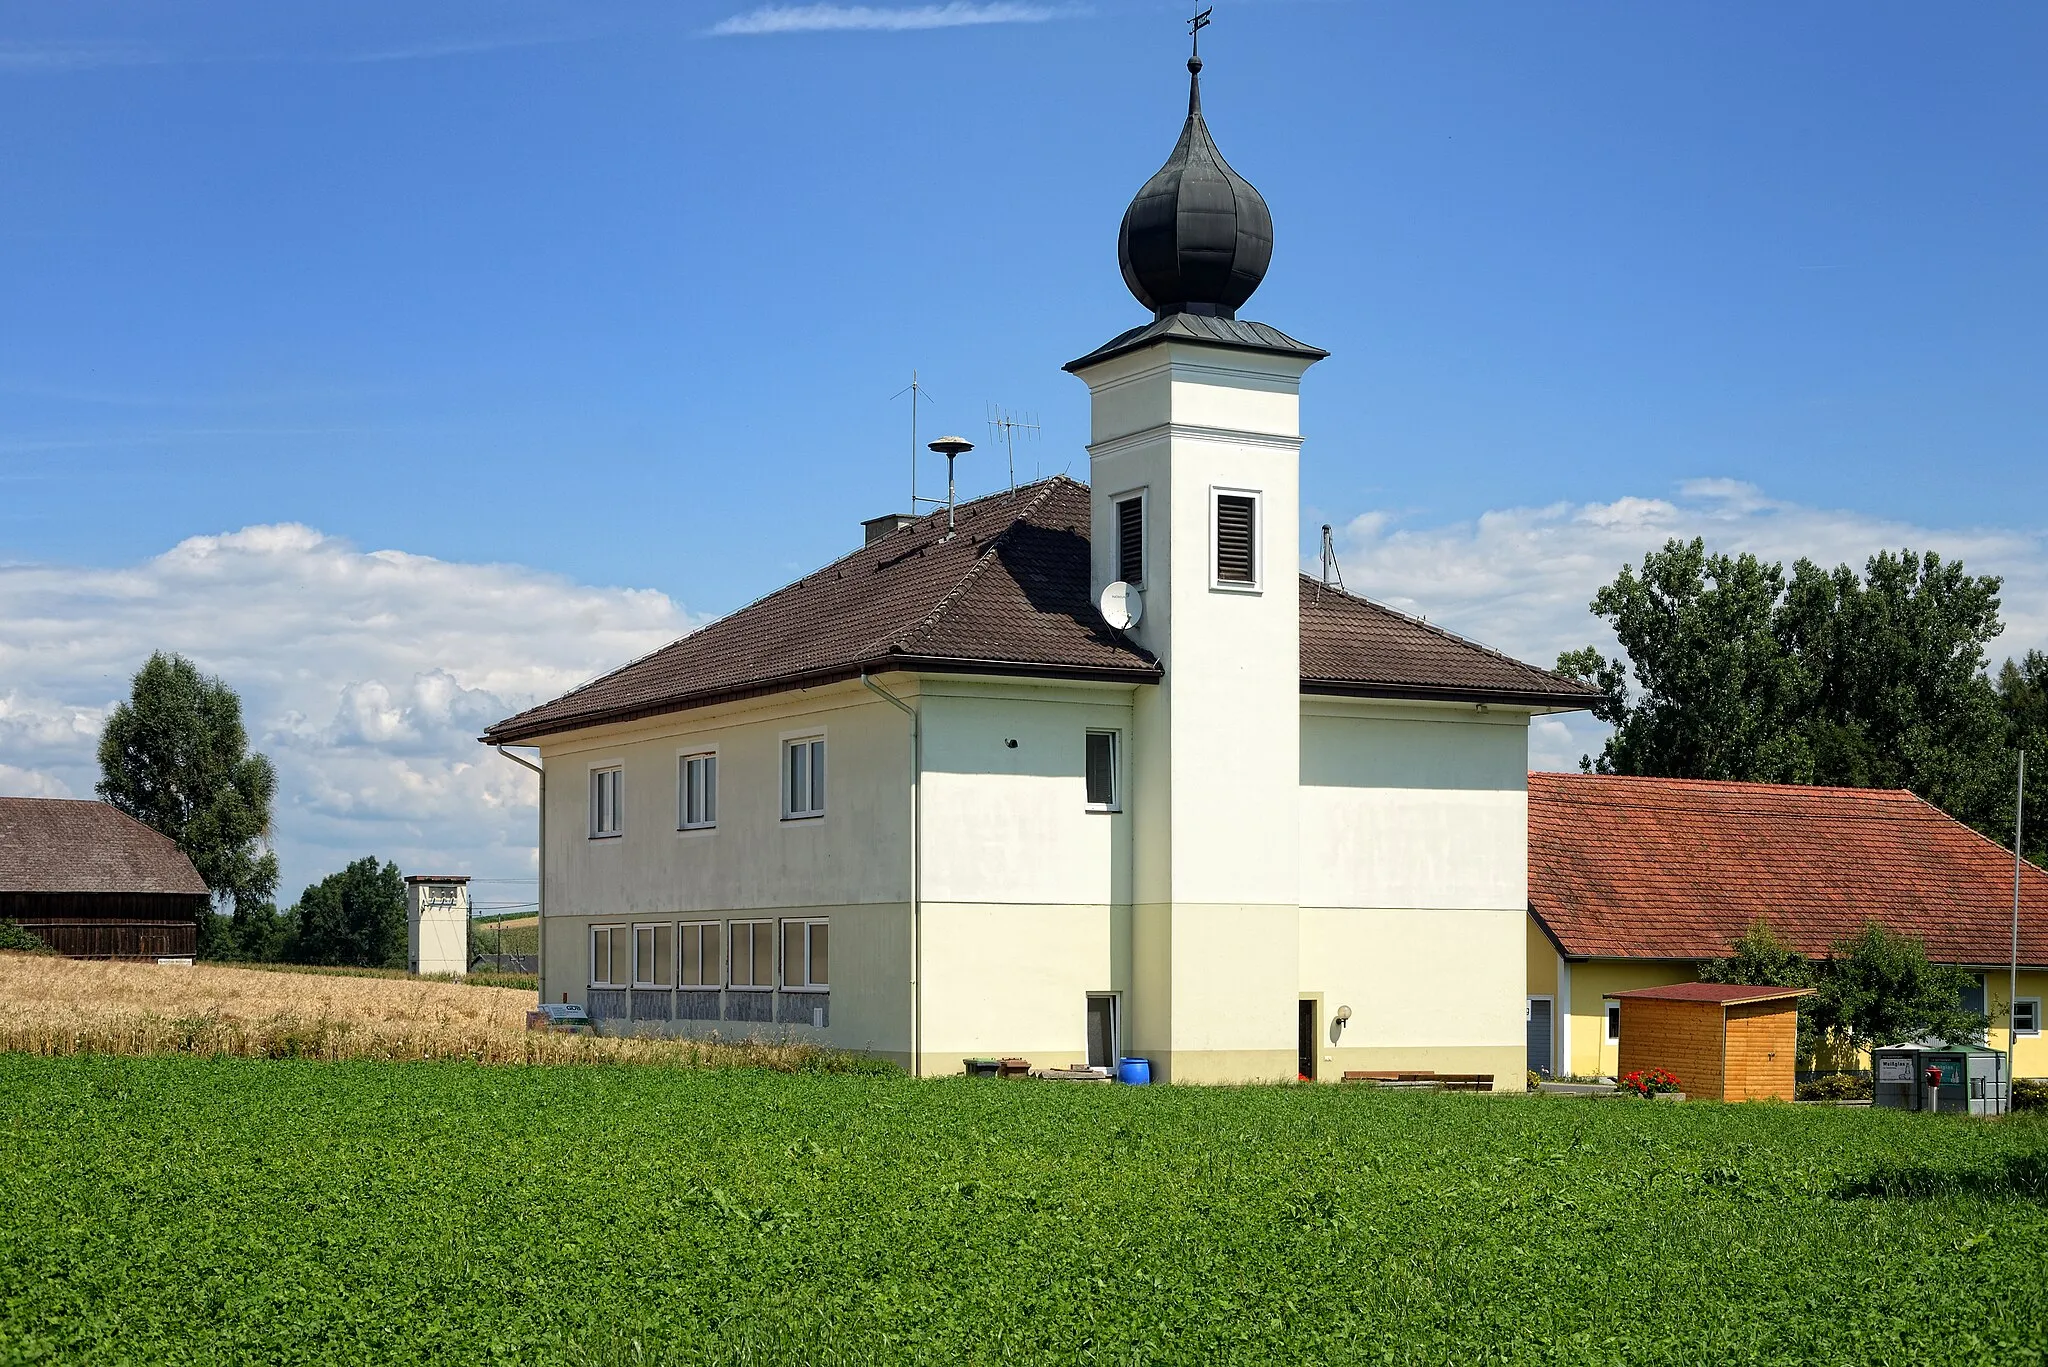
x=1195, y=27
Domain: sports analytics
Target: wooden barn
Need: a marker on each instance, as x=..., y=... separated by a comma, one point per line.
x=1724, y=1042
x=95, y=883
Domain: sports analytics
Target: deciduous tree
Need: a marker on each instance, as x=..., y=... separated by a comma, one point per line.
x=355, y=917
x=175, y=757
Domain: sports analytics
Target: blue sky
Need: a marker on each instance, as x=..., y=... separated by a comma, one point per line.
x=591, y=290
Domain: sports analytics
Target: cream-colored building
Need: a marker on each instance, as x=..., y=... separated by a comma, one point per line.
x=437, y=923
x=930, y=802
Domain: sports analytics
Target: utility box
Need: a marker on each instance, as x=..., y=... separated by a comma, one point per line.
x=437, y=923
x=1972, y=1078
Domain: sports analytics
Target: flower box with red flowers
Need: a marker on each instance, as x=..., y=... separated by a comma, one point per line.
x=1650, y=1082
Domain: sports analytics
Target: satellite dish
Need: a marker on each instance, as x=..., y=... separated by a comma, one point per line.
x=1122, y=605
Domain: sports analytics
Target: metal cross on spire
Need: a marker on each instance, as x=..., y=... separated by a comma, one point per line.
x=1195, y=27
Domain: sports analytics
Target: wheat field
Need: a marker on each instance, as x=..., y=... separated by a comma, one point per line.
x=51, y=1005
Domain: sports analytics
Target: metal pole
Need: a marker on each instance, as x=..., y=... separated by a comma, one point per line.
x=2012, y=991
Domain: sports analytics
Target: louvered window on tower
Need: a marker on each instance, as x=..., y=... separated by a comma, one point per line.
x=1236, y=539
x=1130, y=541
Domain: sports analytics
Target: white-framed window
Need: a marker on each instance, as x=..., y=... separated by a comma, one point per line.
x=2026, y=1015
x=1614, y=1022
x=608, y=952
x=1130, y=539
x=697, y=791
x=803, y=777
x=698, y=943
x=753, y=955
x=654, y=955
x=1235, y=532
x=607, y=791
x=805, y=961
x=1101, y=770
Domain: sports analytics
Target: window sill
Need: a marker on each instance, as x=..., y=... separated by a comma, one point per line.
x=700, y=987
x=745, y=987
x=820, y=990
x=606, y=987
x=697, y=830
x=1096, y=809
x=610, y=835
x=654, y=987
x=804, y=816
x=1218, y=586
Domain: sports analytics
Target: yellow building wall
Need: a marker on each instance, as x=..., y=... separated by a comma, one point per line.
x=2031, y=1057
x=1542, y=962
x=1591, y=979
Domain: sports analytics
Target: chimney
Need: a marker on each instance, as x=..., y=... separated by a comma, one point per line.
x=879, y=527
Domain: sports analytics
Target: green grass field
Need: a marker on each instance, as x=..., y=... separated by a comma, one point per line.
x=169, y=1210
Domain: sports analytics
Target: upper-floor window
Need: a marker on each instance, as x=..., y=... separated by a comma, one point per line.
x=804, y=959
x=1236, y=526
x=697, y=792
x=607, y=956
x=803, y=777
x=607, y=788
x=1130, y=540
x=1101, y=771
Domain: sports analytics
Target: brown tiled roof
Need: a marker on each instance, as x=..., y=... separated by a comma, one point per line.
x=1659, y=868
x=1726, y=994
x=59, y=845
x=1353, y=645
x=1008, y=594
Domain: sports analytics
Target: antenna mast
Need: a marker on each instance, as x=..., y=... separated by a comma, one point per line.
x=1331, y=570
x=1005, y=427
x=916, y=391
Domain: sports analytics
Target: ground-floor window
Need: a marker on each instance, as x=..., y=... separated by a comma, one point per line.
x=702, y=966
x=805, y=961
x=1614, y=1022
x=2026, y=1016
x=753, y=954
x=607, y=956
x=654, y=956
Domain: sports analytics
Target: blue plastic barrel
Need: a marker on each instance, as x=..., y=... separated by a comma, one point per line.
x=1135, y=1071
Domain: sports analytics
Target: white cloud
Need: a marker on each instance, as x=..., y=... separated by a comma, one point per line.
x=1520, y=579
x=773, y=19
x=366, y=677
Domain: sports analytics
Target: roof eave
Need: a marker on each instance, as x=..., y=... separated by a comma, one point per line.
x=1397, y=692
x=506, y=734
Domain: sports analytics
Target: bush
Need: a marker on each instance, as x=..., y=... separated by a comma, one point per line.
x=1650, y=1082
x=1835, y=1087
x=2030, y=1094
x=12, y=936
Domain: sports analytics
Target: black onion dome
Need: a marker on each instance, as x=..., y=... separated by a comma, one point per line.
x=1198, y=237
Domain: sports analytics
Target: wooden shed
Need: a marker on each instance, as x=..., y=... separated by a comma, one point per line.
x=1724, y=1042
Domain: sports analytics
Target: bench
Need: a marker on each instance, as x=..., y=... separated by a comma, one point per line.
x=1426, y=1080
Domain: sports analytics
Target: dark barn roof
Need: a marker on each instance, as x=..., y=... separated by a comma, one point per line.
x=1009, y=594
x=53, y=845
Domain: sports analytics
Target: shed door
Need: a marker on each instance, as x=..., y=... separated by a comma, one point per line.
x=1539, y=1035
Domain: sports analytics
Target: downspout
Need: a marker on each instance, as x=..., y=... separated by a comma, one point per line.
x=540, y=891
x=916, y=869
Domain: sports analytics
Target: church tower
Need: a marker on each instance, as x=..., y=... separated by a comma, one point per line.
x=1195, y=470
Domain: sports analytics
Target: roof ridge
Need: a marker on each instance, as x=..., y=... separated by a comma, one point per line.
x=930, y=621
x=1748, y=785
x=1444, y=632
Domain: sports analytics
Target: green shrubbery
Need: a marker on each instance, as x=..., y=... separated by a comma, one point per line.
x=2030, y=1094
x=1835, y=1087
x=12, y=936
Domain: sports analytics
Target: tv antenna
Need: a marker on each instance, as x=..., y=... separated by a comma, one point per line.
x=916, y=390
x=1006, y=427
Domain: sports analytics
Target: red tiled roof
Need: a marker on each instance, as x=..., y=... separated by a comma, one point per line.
x=60, y=845
x=1726, y=994
x=1009, y=593
x=1659, y=868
